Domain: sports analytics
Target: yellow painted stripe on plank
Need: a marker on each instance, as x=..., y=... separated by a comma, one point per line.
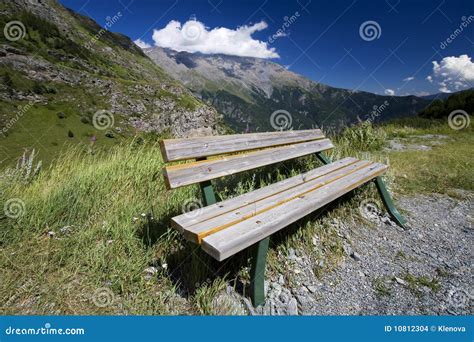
x=273, y=194
x=202, y=235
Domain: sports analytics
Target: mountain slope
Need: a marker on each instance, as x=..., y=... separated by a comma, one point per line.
x=248, y=90
x=437, y=96
x=66, y=80
x=457, y=103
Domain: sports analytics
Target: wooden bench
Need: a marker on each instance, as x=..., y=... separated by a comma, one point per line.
x=227, y=227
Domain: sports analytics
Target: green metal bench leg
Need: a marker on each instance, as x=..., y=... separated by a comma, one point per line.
x=323, y=158
x=387, y=201
x=207, y=193
x=257, y=272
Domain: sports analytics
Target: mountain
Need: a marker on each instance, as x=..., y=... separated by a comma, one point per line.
x=462, y=101
x=438, y=96
x=65, y=79
x=248, y=90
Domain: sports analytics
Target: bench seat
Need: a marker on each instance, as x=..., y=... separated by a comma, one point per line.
x=230, y=226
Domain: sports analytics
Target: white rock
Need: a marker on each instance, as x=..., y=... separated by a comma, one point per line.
x=284, y=297
x=401, y=281
x=355, y=256
x=292, y=307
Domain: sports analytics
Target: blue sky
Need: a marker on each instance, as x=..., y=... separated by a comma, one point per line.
x=325, y=40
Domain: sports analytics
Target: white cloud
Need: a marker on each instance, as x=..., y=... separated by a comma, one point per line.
x=142, y=44
x=429, y=78
x=453, y=73
x=194, y=36
x=389, y=92
x=408, y=79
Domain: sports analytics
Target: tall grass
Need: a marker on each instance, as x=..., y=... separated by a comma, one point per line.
x=363, y=137
x=88, y=220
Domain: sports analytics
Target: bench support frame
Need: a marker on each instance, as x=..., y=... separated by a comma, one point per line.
x=323, y=158
x=257, y=272
x=207, y=193
x=388, y=202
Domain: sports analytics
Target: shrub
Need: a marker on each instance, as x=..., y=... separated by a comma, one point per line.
x=39, y=88
x=363, y=137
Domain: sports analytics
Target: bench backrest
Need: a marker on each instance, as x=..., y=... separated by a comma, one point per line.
x=235, y=153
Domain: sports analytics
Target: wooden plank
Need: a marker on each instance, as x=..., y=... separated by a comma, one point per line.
x=227, y=242
x=186, y=220
x=196, y=172
x=199, y=231
x=191, y=148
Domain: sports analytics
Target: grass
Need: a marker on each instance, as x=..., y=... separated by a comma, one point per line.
x=94, y=220
x=416, y=283
x=97, y=196
x=381, y=288
x=444, y=167
x=205, y=295
x=42, y=129
x=39, y=126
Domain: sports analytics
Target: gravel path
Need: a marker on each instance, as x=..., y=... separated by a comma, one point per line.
x=426, y=269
